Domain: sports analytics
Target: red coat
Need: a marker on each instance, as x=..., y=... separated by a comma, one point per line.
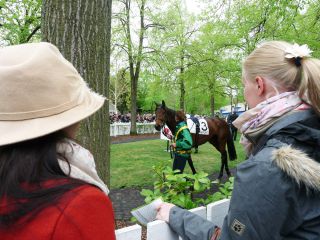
x=83, y=213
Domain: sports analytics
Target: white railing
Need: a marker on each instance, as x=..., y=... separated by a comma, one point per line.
x=159, y=230
x=124, y=128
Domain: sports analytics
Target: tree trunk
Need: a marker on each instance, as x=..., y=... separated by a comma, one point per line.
x=212, y=104
x=134, y=62
x=81, y=30
x=133, y=107
x=182, y=87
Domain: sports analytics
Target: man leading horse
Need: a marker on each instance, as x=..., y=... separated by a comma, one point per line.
x=218, y=134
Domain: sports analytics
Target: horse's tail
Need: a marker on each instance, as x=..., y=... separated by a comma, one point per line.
x=231, y=148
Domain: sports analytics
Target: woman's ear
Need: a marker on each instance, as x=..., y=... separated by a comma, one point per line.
x=260, y=83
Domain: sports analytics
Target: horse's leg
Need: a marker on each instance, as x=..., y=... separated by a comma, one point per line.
x=224, y=164
x=214, y=142
x=224, y=160
x=221, y=168
x=221, y=147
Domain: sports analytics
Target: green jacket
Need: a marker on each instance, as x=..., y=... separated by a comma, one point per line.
x=183, y=139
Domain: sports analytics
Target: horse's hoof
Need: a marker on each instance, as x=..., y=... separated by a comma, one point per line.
x=229, y=175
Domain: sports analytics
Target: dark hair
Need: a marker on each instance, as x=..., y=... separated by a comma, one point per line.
x=24, y=169
x=180, y=116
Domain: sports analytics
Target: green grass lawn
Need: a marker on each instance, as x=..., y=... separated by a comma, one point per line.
x=131, y=163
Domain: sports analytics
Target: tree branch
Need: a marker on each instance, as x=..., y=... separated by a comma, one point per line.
x=33, y=33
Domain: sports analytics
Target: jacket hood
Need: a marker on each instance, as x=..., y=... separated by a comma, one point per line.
x=300, y=156
x=298, y=165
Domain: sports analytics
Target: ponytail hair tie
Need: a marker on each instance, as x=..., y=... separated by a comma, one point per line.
x=297, y=53
x=297, y=61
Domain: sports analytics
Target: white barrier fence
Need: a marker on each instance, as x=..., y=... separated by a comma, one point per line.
x=124, y=128
x=159, y=230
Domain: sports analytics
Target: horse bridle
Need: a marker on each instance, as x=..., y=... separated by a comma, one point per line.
x=163, y=122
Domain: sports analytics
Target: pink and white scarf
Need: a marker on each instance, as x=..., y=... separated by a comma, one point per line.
x=269, y=110
x=82, y=165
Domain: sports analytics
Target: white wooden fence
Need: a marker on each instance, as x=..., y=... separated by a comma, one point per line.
x=159, y=230
x=124, y=128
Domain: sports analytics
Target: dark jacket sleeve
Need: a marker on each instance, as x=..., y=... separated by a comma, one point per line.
x=262, y=204
x=189, y=225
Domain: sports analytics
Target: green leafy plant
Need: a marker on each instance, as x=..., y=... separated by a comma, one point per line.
x=177, y=188
x=224, y=191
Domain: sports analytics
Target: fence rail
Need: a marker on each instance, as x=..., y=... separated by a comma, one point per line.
x=117, y=129
x=159, y=230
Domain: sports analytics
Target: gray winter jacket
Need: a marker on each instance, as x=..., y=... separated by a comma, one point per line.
x=277, y=189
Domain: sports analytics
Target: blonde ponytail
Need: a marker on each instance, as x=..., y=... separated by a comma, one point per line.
x=310, y=82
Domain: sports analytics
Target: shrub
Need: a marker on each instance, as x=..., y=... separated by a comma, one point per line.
x=179, y=189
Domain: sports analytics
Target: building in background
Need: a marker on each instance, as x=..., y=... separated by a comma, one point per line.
x=238, y=108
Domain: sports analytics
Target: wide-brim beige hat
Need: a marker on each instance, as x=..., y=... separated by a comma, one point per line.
x=40, y=93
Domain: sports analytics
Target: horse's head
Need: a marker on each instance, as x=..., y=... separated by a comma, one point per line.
x=161, y=115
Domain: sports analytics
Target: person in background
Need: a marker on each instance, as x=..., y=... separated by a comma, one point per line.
x=49, y=185
x=168, y=134
x=276, y=192
x=232, y=117
x=182, y=143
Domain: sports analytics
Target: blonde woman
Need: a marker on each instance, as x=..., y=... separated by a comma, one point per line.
x=277, y=189
x=49, y=187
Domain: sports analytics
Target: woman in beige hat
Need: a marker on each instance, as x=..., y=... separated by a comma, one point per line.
x=49, y=187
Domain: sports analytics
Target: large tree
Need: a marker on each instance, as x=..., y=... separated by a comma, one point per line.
x=173, y=42
x=134, y=51
x=19, y=21
x=81, y=30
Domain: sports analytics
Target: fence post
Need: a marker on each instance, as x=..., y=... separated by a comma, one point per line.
x=118, y=128
x=129, y=233
x=160, y=230
x=115, y=129
x=217, y=211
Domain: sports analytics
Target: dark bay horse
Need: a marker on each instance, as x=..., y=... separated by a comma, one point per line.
x=219, y=134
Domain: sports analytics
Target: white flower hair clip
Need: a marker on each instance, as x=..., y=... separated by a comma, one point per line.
x=297, y=52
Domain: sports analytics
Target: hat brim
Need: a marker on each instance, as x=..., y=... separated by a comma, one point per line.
x=18, y=131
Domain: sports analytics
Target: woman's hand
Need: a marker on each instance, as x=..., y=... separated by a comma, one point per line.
x=164, y=211
x=173, y=145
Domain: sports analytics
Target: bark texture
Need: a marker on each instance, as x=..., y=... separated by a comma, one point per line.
x=81, y=30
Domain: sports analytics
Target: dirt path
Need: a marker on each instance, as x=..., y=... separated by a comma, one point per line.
x=134, y=138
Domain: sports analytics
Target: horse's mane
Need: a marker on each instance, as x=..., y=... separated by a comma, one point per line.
x=171, y=122
x=170, y=112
